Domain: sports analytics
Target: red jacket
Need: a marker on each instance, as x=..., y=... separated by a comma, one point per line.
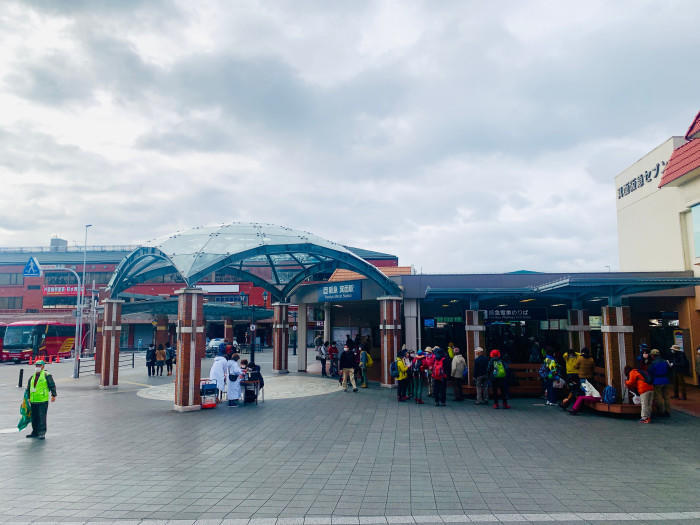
x=636, y=382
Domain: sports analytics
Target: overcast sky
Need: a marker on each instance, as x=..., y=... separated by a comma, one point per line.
x=460, y=136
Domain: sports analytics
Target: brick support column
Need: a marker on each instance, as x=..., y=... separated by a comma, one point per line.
x=475, y=331
x=301, y=338
x=190, y=348
x=162, y=333
x=389, y=335
x=98, y=344
x=228, y=329
x=280, y=337
x=617, y=343
x=579, y=329
x=111, y=334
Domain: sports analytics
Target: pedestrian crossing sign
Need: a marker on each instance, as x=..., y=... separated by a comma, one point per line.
x=32, y=268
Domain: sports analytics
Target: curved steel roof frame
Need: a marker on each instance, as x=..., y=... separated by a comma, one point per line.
x=302, y=259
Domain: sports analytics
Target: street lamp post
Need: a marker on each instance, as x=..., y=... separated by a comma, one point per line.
x=81, y=298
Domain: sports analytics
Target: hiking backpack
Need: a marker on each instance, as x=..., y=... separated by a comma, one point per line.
x=609, y=395
x=439, y=370
x=499, y=369
x=394, y=370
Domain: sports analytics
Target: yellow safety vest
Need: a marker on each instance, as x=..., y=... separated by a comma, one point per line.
x=39, y=390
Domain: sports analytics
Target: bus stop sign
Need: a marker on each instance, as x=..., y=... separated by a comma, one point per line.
x=32, y=268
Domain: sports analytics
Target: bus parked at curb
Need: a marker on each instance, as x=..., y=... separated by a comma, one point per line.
x=37, y=339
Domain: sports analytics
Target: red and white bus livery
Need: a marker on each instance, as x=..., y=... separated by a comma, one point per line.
x=42, y=339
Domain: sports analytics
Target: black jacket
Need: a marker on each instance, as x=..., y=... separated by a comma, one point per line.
x=481, y=365
x=347, y=359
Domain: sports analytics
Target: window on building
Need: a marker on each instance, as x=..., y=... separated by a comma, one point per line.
x=7, y=279
x=59, y=278
x=696, y=228
x=10, y=303
x=59, y=301
x=225, y=276
x=98, y=277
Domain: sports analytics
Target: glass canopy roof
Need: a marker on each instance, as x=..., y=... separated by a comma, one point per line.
x=274, y=257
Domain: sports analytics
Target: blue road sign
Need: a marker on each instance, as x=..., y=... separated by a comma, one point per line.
x=32, y=268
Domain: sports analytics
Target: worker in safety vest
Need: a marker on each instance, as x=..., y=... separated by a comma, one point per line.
x=39, y=386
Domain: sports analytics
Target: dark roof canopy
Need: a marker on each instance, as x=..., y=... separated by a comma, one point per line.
x=275, y=258
x=575, y=287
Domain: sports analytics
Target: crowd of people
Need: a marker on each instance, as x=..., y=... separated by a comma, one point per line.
x=230, y=372
x=349, y=366
x=568, y=379
x=648, y=383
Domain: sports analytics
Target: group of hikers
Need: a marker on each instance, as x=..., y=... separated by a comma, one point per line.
x=568, y=379
x=436, y=367
x=229, y=371
x=157, y=358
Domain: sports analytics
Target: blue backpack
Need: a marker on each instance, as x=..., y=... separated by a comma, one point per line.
x=609, y=395
x=394, y=370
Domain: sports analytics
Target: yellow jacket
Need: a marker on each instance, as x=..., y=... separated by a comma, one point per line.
x=571, y=359
x=403, y=369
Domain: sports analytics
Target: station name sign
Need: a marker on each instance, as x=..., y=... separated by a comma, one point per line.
x=515, y=314
x=347, y=291
x=640, y=180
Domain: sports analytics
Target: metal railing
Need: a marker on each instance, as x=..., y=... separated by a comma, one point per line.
x=87, y=366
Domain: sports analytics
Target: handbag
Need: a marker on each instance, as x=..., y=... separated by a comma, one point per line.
x=318, y=358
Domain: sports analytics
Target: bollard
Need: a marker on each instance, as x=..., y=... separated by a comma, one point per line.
x=21, y=377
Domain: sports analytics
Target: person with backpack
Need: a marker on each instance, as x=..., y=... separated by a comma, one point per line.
x=365, y=362
x=428, y=366
x=498, y=376
x=639, y=382
x=439, y=377
x=399, y=367
x=418, y=369
x=333, y=356
x=549, y=373
x=481, y=376
x=679, y=368
x=459, y=365
x=659, y=372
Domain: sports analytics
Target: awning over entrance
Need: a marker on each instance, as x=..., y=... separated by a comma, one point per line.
x=212, y=311
x=576, y=288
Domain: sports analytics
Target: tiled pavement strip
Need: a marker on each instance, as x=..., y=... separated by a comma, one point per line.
x=337, y=458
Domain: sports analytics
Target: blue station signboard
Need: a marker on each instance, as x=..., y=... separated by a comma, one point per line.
x=345, y=291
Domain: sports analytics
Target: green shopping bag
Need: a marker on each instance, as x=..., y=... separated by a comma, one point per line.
x=25, y=412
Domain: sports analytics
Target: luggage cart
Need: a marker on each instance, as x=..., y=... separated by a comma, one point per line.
x=251, y=389
x=208, y=392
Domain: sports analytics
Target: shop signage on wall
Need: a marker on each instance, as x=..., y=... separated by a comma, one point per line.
x=70, y=289
x=347, y=291
x=645, y=178
x=517, y=314
x=457, y=319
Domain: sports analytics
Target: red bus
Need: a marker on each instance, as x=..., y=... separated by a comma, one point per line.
x=44, y=339
x=2, y=336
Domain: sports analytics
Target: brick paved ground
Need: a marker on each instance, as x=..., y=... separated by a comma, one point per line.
x=350, y=458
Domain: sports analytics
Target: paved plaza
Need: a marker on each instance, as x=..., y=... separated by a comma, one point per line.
x=319, y=455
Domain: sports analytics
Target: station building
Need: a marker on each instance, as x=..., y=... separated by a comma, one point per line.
x=52, y=297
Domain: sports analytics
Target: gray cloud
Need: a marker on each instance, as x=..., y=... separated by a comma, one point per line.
x=459, y=135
